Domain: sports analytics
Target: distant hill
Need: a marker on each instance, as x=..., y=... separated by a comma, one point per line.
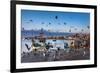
x=30, y=33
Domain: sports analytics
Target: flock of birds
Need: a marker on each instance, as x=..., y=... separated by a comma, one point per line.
x=64, y=23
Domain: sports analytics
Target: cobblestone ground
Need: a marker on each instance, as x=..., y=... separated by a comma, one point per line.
x=61, y=55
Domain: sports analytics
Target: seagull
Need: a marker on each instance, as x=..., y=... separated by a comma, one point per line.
x=56, y=17
x=27, y=46
x=49, y=23
x=88, y=27
x=31, y=20
x=64, y=23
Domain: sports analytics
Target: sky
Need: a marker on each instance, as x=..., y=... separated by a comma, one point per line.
x=55, y=21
